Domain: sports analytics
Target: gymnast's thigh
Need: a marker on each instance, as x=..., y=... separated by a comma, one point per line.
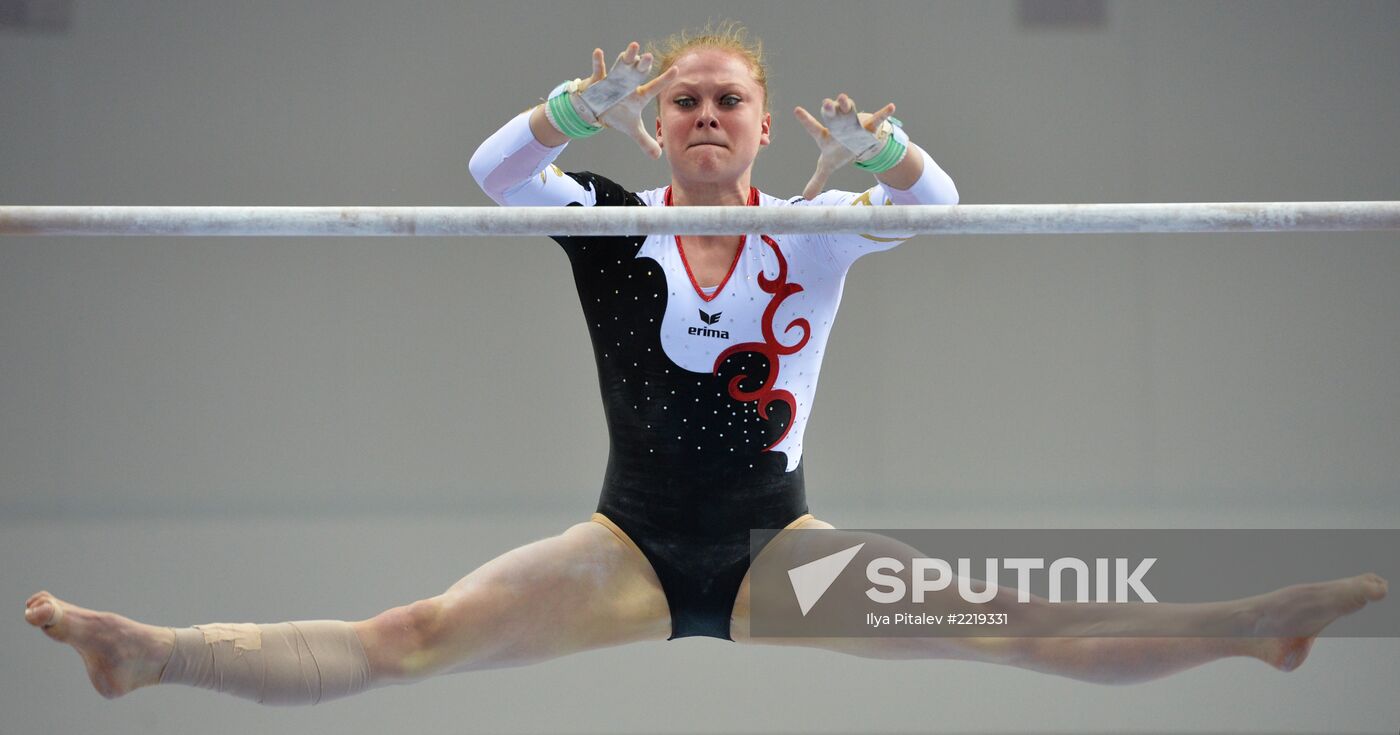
x=739, y=618
x=985, y=649
x=579, y=590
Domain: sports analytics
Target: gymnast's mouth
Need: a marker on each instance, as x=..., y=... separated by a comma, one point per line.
x=696, y=145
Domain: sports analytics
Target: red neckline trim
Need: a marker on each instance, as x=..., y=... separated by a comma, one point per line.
x=753, y=202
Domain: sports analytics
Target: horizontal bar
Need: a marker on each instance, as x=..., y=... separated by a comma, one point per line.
x=968, y=219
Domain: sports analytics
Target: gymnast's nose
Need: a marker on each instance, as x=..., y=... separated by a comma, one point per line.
x=706, y=118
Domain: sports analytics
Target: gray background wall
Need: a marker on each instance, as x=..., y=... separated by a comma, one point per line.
x=198, y=430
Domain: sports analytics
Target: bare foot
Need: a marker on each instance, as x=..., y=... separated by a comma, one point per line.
x=1297, y=614
x=121, y=654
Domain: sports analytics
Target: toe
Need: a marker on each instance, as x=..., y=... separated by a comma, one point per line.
x=48, y=614
x=39, y=614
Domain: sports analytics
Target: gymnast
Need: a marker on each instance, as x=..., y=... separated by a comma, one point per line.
x=707, y=351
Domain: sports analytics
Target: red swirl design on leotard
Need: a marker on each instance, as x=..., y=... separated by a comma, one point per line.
x=770, y=347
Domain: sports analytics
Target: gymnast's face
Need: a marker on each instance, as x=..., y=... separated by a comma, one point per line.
x=712, y=122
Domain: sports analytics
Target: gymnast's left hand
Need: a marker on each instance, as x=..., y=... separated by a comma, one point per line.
x=847, y=136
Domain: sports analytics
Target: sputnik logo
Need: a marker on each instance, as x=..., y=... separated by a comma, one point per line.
x=811, y=580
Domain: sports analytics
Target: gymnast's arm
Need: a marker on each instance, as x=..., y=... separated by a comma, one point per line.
x=908, y=172
x=918, y=179
x=544, y=131
x=515, y=167
x=929, y=185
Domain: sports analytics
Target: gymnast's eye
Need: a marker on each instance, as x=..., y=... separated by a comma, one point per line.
x=726, y=99
x=684, y=101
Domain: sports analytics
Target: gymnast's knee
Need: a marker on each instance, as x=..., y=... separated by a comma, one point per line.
x=401, y=641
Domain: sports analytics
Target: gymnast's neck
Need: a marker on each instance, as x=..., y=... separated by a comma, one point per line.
x=734, y=193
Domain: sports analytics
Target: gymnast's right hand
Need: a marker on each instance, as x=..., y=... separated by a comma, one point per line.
x=612, y=99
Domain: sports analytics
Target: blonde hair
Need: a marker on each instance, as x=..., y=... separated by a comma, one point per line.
x=728, y=36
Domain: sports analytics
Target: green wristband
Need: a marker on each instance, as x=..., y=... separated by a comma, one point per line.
x=886, y=159
x=561, y=112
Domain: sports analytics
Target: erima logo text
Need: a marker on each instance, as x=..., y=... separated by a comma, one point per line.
x=706, y=331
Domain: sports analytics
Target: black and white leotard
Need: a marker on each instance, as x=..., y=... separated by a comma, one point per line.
x=706, y=395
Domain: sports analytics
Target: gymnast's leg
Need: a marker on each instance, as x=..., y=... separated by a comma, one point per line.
x=1277, y=627
x=579, y=590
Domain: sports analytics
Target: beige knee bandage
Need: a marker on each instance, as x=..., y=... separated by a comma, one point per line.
x=305, y=662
